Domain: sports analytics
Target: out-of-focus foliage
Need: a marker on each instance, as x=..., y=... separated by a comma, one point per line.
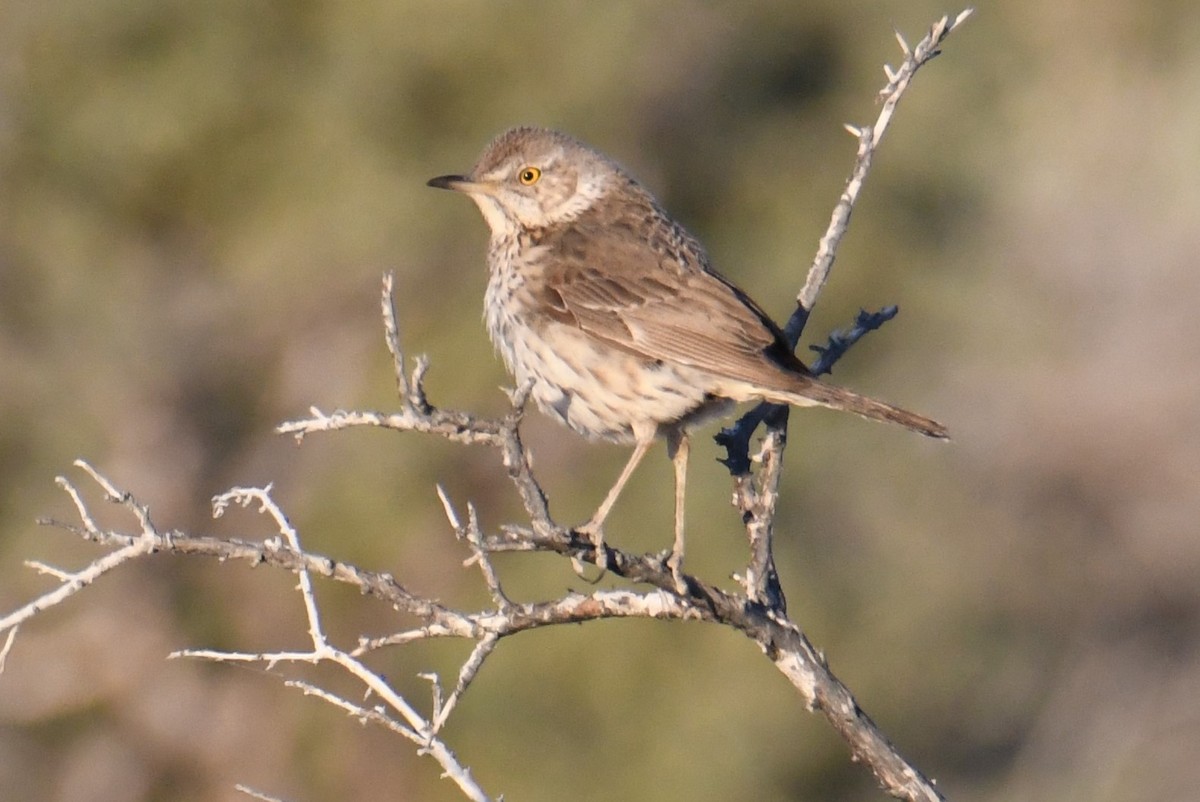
x=196, y=203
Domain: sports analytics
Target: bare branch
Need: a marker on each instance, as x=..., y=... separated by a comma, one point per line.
x=7, y=647
x=72, y=583
x=465, y=675
x=362, y=714
x=456, y=426
x=248, y=791
x=245, y=496
x=391, y=335
x=735, y=439
x=756, y=497
x=839, y=221
x=840, y=341
x=480, y=556
x=868, y=140
x=472, y=534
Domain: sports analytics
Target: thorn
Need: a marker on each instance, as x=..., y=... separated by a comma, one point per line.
x=903, y=44
x=854, y=130
x=890, y=73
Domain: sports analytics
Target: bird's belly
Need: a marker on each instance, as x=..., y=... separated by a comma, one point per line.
x=599, y=391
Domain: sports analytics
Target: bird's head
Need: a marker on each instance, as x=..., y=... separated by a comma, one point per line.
x=530, y=178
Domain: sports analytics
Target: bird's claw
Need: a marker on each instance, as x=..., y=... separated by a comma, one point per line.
x=593, y=533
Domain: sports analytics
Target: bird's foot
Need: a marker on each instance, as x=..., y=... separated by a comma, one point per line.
x=675, y=566
x=593, y=532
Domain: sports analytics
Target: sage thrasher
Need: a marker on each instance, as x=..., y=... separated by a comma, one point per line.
x=611, y=311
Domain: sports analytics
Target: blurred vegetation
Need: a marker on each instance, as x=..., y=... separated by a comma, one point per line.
x=197, y=201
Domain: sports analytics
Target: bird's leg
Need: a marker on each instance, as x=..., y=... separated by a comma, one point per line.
x=594, y=528
x=677, y=448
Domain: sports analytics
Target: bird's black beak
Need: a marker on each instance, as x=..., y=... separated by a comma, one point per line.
x=455, y=182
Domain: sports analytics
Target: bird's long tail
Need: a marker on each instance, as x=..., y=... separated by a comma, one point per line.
x=811, y=391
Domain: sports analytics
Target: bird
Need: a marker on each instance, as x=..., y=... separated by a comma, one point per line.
x=613, y=315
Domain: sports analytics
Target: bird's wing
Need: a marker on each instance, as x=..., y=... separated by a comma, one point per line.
x=660, y=300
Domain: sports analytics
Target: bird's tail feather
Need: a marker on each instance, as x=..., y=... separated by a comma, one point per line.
x=827, y=395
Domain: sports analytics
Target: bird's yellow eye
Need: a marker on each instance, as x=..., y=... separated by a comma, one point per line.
x=529, y=176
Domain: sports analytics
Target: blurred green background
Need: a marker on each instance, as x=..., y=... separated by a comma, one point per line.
x=197, y=201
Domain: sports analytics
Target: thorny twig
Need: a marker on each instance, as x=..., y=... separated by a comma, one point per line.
x=756, y=499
